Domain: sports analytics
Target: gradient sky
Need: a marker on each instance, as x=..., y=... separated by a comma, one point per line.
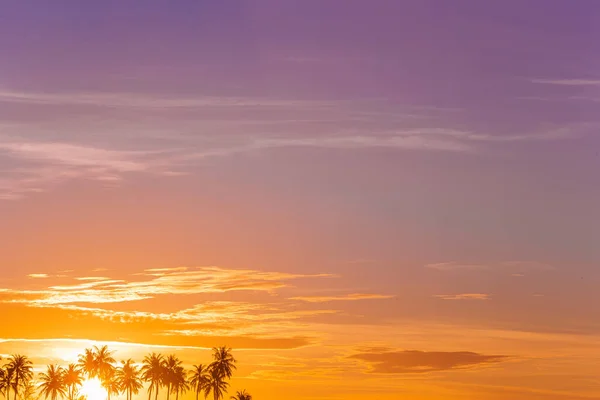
x=365, y=199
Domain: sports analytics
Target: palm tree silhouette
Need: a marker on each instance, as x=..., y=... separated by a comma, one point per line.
x=21, y=369
x=73, y=378
x=153, y=372
x=216, y=384
x=243, y=395
x=179, y=383
x=110, y=382
x=87, y=363
x=5, y=382
x=29, y=391
x=104, y=361
x=129, y=378
x=199, y=379
x=171, y=364
x=223, y=362
x=52, y=384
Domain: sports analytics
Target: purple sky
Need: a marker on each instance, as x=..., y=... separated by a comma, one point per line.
x=418, y=149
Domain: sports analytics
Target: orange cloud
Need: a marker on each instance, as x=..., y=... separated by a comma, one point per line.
x=413, y=361
x=464, y=296
x=167, y=281
x=347, y=297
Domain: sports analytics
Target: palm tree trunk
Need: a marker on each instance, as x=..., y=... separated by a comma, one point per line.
x=168, y=391
x=150, y=392
x=156, y=396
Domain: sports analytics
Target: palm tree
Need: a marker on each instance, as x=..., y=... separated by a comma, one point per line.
x=179, y=383
x=170, y=367
x=52, y=384
x=29, y=391
x=129, y=378
x=21, y=369
x=73, y=378
x=87, y=363
x=153, y=372
x=110, y=382
x=104, y=361
x=199, y=379
x=223, y=362
x=243, y=395
x=216, y=384
x=5, y=382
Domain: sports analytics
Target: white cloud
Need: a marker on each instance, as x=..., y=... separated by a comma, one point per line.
x=568, y=82
x=154, y=139
x=464, y=296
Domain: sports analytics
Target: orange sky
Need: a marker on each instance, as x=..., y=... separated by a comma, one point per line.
x=364, y=199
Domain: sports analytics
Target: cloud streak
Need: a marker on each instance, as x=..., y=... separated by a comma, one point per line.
x=568, y=82
x=413, y=361
x=348, y=297
x=168, y=282
x=463, y=296
x=148, y=134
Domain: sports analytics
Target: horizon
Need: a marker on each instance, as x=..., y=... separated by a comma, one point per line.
x=362, y=199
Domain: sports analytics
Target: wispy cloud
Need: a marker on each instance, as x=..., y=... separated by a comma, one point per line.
x=135, y=100
x=347, y=297
x=452, y=266
x=463, y=296
x=509, y=265
x=38, y=276
x=568, y=82
x=177, y=281
x=412, y=361
x=147, y=135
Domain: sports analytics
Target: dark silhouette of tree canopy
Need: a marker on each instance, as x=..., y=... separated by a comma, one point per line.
x=216, y=384
x=129, y=377
x=20, y=368
x=110, y=382
x=87, y=363
x=73, y=379
x=153, y=373
x=171, y=364
x=223, y=362
x=179, y=384
x=243, y=395
x=52, y=383
x=5, y=382
x=58, y=382
x=199, y=378
x=104, y=362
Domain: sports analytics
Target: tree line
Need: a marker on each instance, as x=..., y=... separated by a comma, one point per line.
x=162, y=374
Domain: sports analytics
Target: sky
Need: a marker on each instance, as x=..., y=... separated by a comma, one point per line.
x=364, y=199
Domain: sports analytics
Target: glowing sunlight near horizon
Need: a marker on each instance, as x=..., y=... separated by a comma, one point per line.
x=92, y=389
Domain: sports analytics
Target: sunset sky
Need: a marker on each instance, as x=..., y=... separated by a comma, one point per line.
x=364, y=199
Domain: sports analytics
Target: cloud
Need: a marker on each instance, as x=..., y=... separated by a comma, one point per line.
x=412, y=361
x=37, y=165
x=147, y=135
x=568, y=82
x=134, y=100
x=347, y=297
x=511, y=265
x=167, y=282
x=38, y=276
x=463, y=296
x=452, y=266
